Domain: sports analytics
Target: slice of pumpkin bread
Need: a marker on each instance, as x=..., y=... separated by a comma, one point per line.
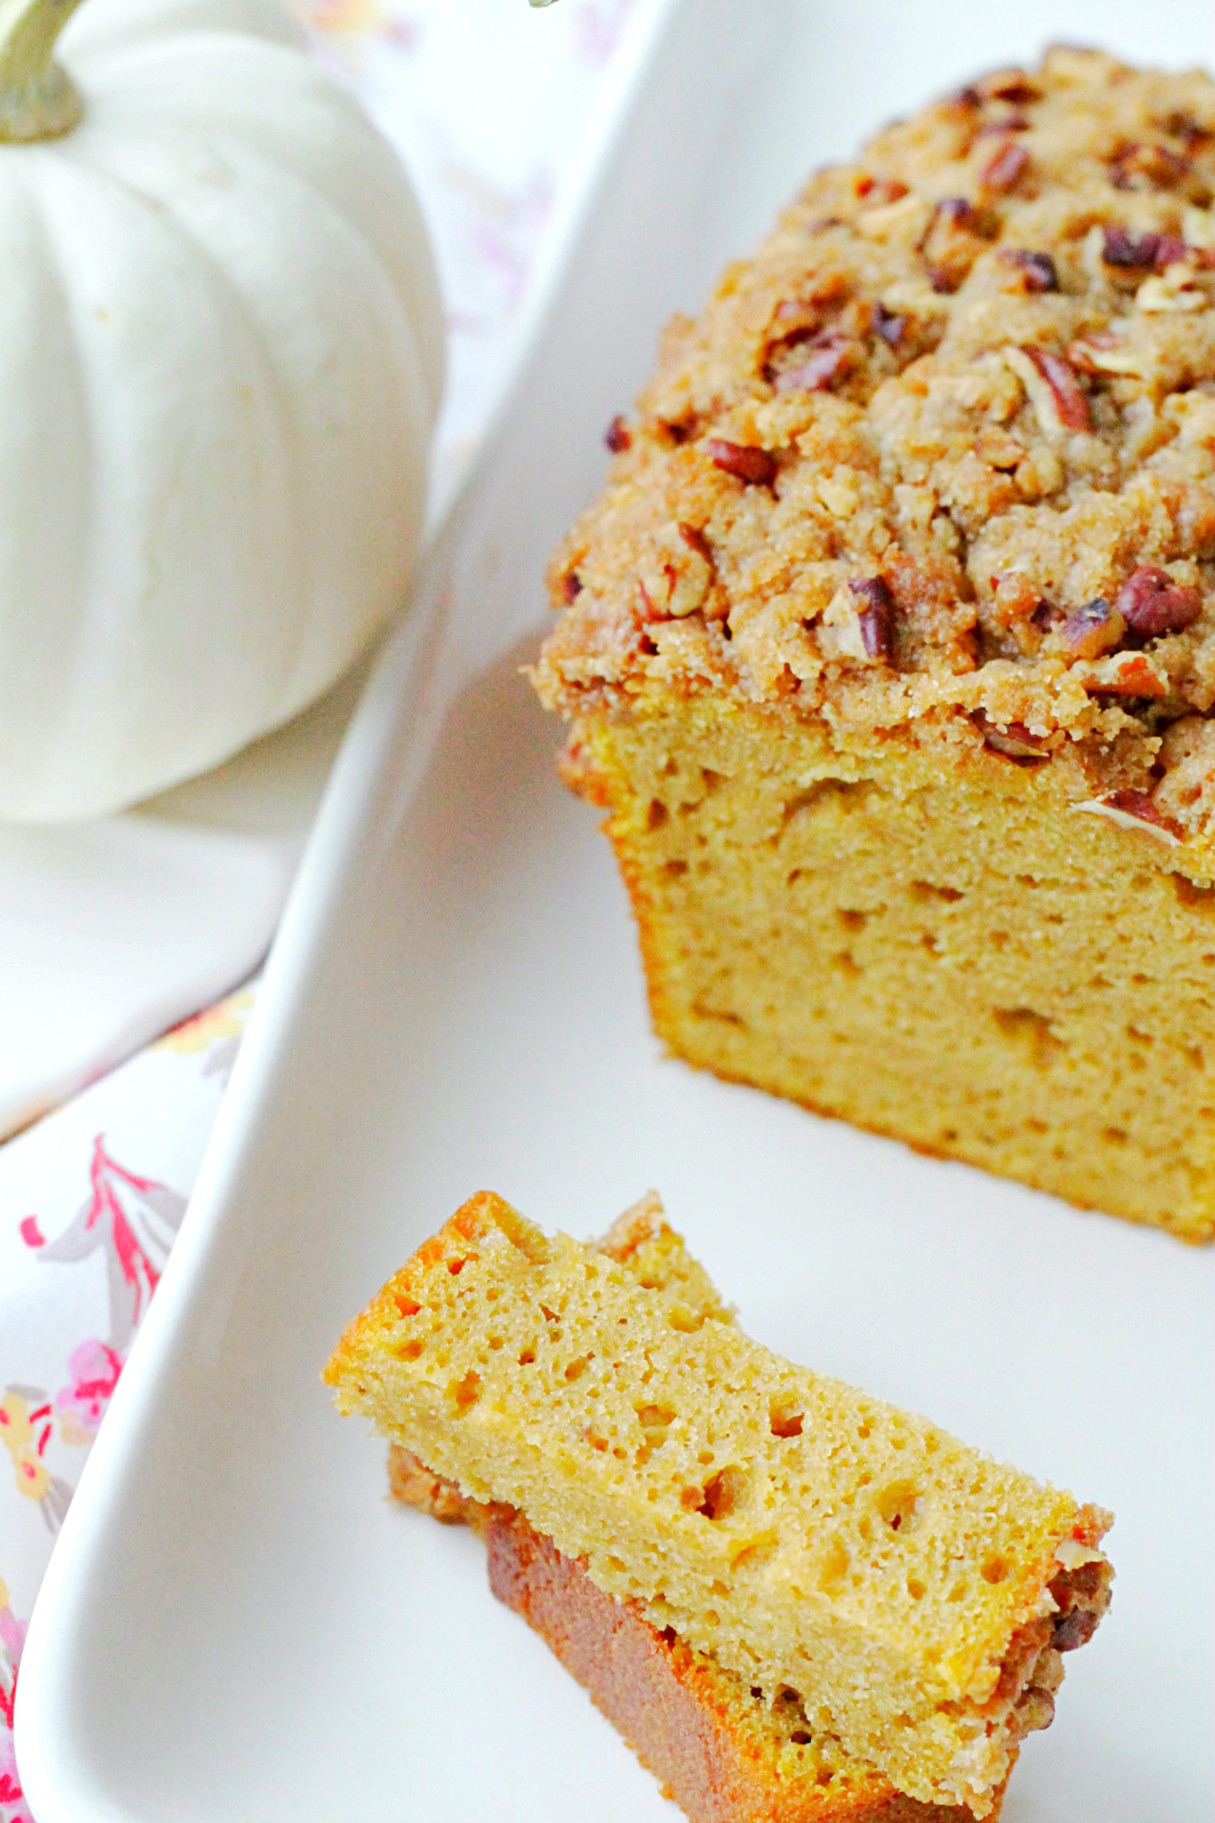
x=890, y=645
x=715, y=1746
x=808, y=1537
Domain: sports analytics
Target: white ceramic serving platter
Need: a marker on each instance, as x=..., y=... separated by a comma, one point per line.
x=113, y=929
x=236, y=1624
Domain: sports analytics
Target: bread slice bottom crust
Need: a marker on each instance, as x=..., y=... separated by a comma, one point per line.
x=713, y=1746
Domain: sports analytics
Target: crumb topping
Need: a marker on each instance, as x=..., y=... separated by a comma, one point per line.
x=941, y=457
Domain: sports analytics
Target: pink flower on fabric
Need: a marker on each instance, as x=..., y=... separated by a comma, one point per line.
x=131, y=1220
x=94, y=1368
x=12, y=1639
x=10, y=1787
x=10, y=1784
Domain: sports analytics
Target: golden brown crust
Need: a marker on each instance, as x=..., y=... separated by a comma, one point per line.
x=941, y=457
x=665, y=1699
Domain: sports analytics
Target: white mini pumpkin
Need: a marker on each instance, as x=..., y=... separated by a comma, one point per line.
x=220, y=362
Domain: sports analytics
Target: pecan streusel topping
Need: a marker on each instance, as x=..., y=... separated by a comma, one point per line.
x=941, y=457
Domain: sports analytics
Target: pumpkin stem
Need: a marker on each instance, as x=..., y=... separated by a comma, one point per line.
x=38, y=99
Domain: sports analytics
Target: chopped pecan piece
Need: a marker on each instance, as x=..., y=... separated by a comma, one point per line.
x=1134, y=810
x=1182, y=126
x=1141, y=252
x=1094, y=629
x=1085, y=352
x=571, y=585
x=696, y=541
x=1074, y=1629
x=1102, y=352
x=1169, y=250
x=1087, y=1577
x=876, y=617
x=1152, y=164
x=691, y=579
x=1132, y=674
x=745, y=461
x=889, y=325
x=1152, y=603
x=1070, y=400
x=956, y=234
x=1068, y=404
x=617, y=435
x=645, y=609
x=1005, y=167
x=676, y=574
x=1013, y=86
x=1037, y=270
x=829, y=356
x=1168, y=292
x=1012, y=739
x=1036, y=1710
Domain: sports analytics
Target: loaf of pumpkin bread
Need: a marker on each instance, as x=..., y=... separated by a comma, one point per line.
x=890, y=646
x=809, y=1538
x=714, y=1745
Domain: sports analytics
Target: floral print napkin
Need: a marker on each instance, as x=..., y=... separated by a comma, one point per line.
x=485, y=99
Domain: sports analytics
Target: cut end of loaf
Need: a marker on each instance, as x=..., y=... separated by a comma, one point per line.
x=936, y=949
